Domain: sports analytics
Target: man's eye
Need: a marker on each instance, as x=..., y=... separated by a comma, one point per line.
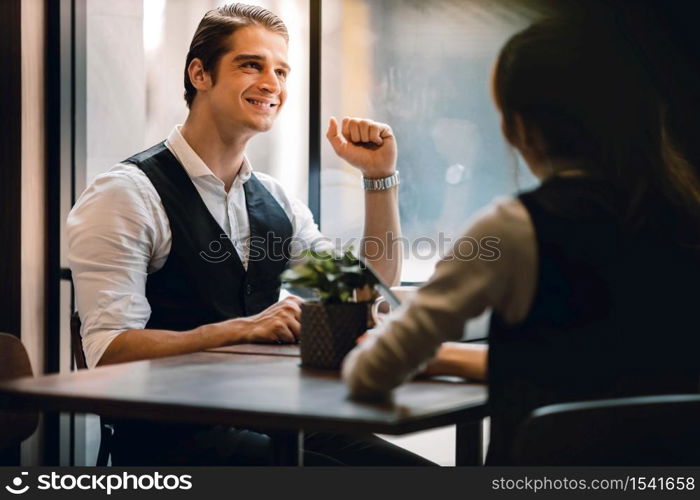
x=282, y=73
x=253, y=65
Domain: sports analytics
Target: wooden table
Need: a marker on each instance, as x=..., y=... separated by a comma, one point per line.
x=293, y=350
x=261, y=391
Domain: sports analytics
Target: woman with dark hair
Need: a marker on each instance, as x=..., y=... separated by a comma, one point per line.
x=593, y=288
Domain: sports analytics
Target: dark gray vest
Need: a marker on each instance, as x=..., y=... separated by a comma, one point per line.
x=203, y=280
x=614, y=313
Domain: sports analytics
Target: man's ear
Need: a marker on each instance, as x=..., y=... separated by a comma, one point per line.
x=199, y=77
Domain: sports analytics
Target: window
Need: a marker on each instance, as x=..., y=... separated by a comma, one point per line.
x=422, y=67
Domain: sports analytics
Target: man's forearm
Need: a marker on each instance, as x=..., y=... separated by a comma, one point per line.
x=381, y=243
x=133, y=345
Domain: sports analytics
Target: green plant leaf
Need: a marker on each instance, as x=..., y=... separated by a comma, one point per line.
x=334, y=277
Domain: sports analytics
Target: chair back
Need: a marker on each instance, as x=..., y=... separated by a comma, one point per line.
x=76, y=342
x=15, y=426
x=648, y=430
x=106, y=429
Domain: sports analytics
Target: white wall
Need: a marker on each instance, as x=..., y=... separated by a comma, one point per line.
x=116, y=82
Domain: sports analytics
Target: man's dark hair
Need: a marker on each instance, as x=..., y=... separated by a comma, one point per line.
x=210, y=41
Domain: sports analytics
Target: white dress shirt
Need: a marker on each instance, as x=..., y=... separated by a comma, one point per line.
x=118, y=233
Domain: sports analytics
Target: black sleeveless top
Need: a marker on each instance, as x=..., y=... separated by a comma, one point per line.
x=614, y=313
x=203, y=280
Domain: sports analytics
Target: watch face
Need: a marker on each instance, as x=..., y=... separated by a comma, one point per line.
x=455, y=174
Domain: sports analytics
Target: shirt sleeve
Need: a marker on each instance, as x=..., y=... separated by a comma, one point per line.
x=112, y=236
x=477, y=274
x=307, y=235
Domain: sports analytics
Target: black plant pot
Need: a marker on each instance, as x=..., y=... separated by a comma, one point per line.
x=329, y=332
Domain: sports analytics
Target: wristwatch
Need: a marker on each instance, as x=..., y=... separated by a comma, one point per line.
x=381, y=184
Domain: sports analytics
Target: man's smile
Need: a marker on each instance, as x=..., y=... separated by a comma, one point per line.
x=262, y=104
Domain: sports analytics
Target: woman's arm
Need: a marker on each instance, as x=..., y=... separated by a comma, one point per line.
x=461, y=360
x=500, y=275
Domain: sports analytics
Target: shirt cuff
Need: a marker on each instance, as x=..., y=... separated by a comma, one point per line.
x=96, y=343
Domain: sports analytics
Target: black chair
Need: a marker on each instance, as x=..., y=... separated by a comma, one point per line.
x=15, y=425
x=637, y=431
x=106, y=429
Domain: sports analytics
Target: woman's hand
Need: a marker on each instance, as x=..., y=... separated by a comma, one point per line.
x=369, y=335
x=461, y=360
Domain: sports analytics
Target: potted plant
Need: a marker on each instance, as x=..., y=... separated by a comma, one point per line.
x=338, y=314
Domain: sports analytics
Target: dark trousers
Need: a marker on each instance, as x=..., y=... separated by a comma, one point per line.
x=160, y=444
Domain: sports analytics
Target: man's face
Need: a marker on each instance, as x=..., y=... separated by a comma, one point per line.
x=251, y=86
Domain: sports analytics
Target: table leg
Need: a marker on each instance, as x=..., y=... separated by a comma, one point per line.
x=288, y=448
x=469, y=443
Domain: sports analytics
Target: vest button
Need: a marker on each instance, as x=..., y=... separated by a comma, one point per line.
x=248, y=289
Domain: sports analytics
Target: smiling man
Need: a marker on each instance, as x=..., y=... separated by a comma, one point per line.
x=172, y=250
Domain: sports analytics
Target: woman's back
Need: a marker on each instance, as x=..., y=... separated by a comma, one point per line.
x=612, y=315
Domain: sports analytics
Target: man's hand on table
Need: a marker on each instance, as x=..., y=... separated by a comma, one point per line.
x=281, y=322
x=278, y=323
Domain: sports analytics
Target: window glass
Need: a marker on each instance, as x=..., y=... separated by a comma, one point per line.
x=424, y=68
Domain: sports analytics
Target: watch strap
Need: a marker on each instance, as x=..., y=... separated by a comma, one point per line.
x=381, y=184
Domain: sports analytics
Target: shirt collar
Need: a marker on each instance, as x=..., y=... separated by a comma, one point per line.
x=193, y=164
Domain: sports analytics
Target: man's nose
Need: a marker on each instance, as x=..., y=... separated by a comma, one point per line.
x=270, y=83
